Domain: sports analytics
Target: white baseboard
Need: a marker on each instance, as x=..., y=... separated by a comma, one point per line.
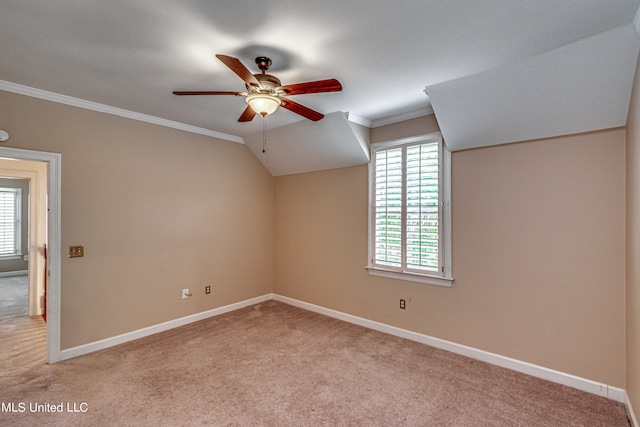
x=600, y=389
x=14, y=273
x=613, y=393
x=161, y=327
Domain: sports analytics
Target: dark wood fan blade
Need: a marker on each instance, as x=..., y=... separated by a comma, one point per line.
x=301, y=109
x=237, y=67
x=247, y=115
x=329, y=85
x=204, y=92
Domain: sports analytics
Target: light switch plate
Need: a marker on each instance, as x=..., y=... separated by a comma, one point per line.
x=76, y=251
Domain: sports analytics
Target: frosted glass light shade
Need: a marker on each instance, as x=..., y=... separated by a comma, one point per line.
x=263, y=104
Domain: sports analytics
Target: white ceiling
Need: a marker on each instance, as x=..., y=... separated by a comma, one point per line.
x=579, y=87
x=495, y=70
x=305, y=146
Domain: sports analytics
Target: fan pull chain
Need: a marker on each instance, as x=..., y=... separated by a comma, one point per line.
x=264, y=133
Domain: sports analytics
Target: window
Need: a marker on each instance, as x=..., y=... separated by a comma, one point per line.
x=10, y=213
x=410, y=210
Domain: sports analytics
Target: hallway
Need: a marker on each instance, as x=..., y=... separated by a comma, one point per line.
x=22, y=338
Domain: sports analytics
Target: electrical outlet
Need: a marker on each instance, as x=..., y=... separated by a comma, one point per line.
x=207, y=289
x=185, y=293
x=403, y=304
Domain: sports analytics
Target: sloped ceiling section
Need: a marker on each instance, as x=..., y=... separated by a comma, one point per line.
x=305, y=146
x=580, y=87
x=496, y=71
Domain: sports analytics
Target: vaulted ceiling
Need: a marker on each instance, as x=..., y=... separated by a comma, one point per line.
x=493, y=71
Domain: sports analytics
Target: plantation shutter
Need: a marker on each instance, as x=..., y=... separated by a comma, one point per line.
x=407, y=204
x=422, y=216
x=410, y=210
x=8, y=221
x=388, y=207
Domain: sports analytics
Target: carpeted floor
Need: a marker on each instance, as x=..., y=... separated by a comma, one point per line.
x=22, y=338
x=23, y=341
x=14, y=296
x=276, y=365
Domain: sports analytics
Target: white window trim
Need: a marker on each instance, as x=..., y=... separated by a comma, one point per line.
x=445, y=278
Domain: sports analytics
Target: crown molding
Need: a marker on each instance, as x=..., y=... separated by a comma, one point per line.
x=102, y=108
x=94, y=106
x=358, y=120
x=420, y=112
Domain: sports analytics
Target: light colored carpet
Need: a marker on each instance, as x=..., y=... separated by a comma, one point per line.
x=22, y=339
x=276, y=365
x=14, y=296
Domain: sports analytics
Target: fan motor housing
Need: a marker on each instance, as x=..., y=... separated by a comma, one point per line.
x=267, y=81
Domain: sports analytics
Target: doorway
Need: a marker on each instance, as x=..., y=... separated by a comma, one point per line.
x=22, y=290
x=42, y=170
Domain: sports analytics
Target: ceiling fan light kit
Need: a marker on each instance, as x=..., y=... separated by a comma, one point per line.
x=265, y=92
x=263, y=104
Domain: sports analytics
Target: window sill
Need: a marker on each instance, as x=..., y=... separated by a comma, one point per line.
x=10, y=257
x=411, y=277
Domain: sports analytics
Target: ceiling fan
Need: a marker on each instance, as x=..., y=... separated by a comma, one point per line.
x=265, y=93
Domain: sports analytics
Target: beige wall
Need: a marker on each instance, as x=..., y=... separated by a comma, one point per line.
x=538, y=237
x=538, y=251
x=157, y=210
x=633, y=247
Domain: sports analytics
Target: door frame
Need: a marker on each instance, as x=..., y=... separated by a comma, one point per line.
x=53, y=304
